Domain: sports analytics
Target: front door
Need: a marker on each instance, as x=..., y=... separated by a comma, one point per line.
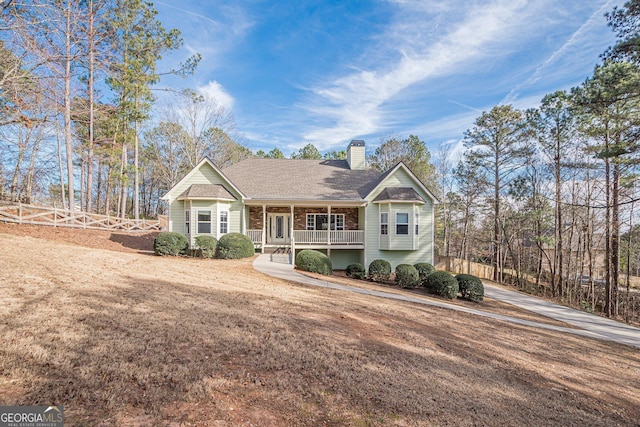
x=279, y=226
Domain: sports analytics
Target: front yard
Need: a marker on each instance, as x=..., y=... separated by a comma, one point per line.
x=128, y=338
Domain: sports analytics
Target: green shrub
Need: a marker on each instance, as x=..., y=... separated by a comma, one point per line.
x=313, y=261
x=443, y=284
x=379, y=270
x=207, y=245
x=407, y=276
x=235, y=246
x=424, y=269
x=355, y=270
x=471, y=288
x=170, y=243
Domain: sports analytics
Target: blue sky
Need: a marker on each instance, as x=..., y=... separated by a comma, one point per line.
x=327, y=72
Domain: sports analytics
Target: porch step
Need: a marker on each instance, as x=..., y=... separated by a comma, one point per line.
x=277, y=250
x=281, y=258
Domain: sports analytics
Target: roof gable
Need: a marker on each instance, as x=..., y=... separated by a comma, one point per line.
x=183, y=184
x=400, y=166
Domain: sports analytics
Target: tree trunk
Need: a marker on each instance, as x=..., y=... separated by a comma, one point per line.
x=61, y=169
x=136, y=172
x=90, y=83
x=496, y=222
x=123, y=183
x=32, y=169
x=615, y=238
x=559, y=220
x=67, y=109
x=608, y=301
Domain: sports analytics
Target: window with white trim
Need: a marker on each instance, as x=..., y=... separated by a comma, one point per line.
x=402, y=223
x=204, y=222
x=321, y=222
x=417, y=222
x=224, y=222
x=187, y=222
x=384, y=223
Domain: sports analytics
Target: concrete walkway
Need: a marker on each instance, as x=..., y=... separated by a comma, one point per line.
x=588, y=325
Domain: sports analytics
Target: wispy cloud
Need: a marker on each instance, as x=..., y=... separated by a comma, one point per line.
x=186, y=11
x=353, y=103
x=575, y=40
x=204, y=34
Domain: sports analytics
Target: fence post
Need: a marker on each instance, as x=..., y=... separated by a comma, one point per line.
x=19, y=213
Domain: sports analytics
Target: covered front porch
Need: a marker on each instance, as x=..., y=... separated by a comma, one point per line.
x=306, y=227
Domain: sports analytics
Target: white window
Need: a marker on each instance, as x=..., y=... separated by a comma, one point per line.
x=204, y=222
x=402, y=223
x=224, y=222
x=187, y=222
x=321, y=222
x=417, y=222
x=384, y=223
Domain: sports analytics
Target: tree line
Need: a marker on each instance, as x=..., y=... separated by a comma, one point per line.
x=547, y=195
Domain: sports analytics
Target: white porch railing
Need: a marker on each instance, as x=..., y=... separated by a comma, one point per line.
x=312, y=237
x=347, y=237
x=336, y=237
x=255, y=236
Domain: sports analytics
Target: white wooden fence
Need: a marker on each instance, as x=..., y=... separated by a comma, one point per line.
x=41, y=215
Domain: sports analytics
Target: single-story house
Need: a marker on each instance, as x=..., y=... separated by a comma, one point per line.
x=340, y=207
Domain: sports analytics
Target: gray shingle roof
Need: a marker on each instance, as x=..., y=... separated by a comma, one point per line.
x=399, y=194
x=207, y=191
x=288, y=179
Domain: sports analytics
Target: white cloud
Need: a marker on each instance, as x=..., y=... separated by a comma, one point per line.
x=354, y=103
x=214, y=90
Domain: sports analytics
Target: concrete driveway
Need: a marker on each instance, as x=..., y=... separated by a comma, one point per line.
x=588, y=325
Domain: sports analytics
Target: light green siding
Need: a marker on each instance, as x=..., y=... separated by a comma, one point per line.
x=409, y=249
x=205, y=174
x=340, y=258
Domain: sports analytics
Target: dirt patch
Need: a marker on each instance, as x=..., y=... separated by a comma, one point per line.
x=99, y=239
x=126, y=338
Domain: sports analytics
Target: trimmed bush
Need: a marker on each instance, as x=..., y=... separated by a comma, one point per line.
x=443, y=284
x=207, y=245
x=471, y=288
x=235, y=246
x=407, y=276
x=379, y=270
x=424, y=269
x=355, y=270
x=314, y=261
x=170, y=243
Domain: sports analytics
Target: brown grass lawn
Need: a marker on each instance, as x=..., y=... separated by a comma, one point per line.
x=122, y=338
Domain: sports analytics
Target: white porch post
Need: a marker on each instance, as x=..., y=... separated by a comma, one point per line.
x=329, y=231
x=264, y=226
x=293, y=240
x=243, y=220
x=329, y=225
